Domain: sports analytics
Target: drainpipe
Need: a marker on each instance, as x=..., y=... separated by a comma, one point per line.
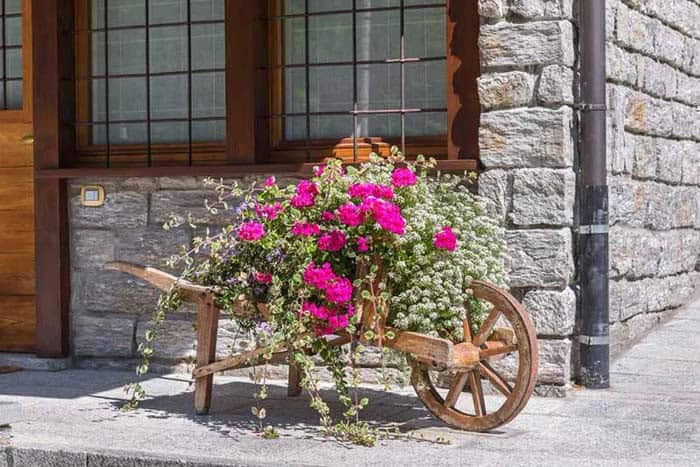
x=593, y=329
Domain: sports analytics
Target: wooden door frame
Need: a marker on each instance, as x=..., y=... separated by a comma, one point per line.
x=53, y=104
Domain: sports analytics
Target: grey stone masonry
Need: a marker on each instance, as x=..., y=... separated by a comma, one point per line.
x=528, y=147
x=653, y=68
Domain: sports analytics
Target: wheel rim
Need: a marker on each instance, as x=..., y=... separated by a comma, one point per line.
x=451, y=405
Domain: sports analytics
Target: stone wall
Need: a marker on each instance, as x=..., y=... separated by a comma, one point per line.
x=653, y=49
x=527, y=142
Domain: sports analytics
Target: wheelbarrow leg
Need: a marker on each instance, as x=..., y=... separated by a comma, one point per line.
x=294, y=379
x=207, y=326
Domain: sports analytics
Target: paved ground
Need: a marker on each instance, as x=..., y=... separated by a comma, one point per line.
x=651, y=416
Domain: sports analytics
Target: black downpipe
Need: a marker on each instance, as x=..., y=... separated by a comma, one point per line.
x=593, y=328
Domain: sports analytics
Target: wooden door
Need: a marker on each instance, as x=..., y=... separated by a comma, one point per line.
x=17, y=313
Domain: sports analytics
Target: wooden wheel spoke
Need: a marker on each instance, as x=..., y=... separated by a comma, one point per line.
x=456, y=388
x=486, y=327
x=477, y=393
x=497, y=380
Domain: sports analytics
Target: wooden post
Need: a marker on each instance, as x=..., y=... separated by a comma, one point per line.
x=207, y=326
x=294, y=379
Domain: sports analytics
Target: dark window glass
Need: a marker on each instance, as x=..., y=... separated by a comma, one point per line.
x=10, y=54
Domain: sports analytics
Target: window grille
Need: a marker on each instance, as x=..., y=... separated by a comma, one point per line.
x=10, y=54
x=152, y=88
x=357, y=69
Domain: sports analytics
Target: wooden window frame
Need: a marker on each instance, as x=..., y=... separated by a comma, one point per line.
x=25, y=113
x=253, y=90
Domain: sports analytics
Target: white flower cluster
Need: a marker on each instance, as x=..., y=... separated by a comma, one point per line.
x=430, y=287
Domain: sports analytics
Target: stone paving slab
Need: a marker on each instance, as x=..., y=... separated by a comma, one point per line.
x=650, y=416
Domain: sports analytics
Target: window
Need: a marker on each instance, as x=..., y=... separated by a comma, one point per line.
x=10, y=55
x=217, y=82
x=367, y=72
x=151, y=89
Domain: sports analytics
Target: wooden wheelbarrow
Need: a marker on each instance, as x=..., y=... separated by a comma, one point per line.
x=500, y=359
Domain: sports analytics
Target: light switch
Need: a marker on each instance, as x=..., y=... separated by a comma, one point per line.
x=92, y=196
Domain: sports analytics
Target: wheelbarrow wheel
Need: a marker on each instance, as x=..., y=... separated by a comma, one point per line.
x=500, y=386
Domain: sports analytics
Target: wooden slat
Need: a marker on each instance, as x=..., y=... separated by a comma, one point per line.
x=16, y=274
x=17, y=322
x=17, y=233
x=16, y=190
x=13, y=152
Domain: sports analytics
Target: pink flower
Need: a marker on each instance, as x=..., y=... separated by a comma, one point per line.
x=351, y=309
x=387, y=215
x=332, y=241
x=318, y=277
x=316, y=311
x=324, y=331
x=403, y=177
x=305, y=229
x=351, y=215
x=270, y=181
x=362, y=244
x=262, y=277
x=250, y=231
x=363, y=190
x=327, y=216
x=338, y=321
x=339, y=290
x=268, y=211
x=318, y=170
x=305, y=196
x=445, y=239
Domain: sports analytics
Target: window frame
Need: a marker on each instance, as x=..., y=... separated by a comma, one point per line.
x=251, y=92
x=25, y=113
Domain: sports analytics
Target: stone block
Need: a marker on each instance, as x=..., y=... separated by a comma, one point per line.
x=683, y=213
x=91, y=249
x=113, y=291
x=495, y=188
x=492, y=9
x=35, y=457
x=672, y=254
x=556, y=86
x=669, y=44
x=691, y=163
x=644, y=114
x=688, y=90
x=182, y=203
x=644, y=154
x=660, y=205
x=552, y=312
x=628, y=298
x=526, y=138
x=620, y=157
x=697, y=209
x=522, y=44
x=121, y=210
x=103, y=336
x=658, y=79
x=151, y=245
x=176, y=339
x=681, y=14
x=543, y=197
x=671, y=154
x=504, y=90
x=628, y=201
x=554, y=361
x=635, y=30
x=691, y=61
x=139, y=184
x=634, y=252
x=623, y=335
x=179, y=183
x=542, y=9
x=621, y=65
x=539, y=258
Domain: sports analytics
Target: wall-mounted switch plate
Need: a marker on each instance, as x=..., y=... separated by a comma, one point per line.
x=92, y=196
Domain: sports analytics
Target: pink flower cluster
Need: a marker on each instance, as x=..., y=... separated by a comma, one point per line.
x=403, y=177
x=337, y=290
x=305, y=229
x=305, y=195
x=262, y=277
x=250, y=231
x=445, y=239
x=268, y=211
x=351, y=215
x=332, y=241
x=386, y=214
x=363, y=190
